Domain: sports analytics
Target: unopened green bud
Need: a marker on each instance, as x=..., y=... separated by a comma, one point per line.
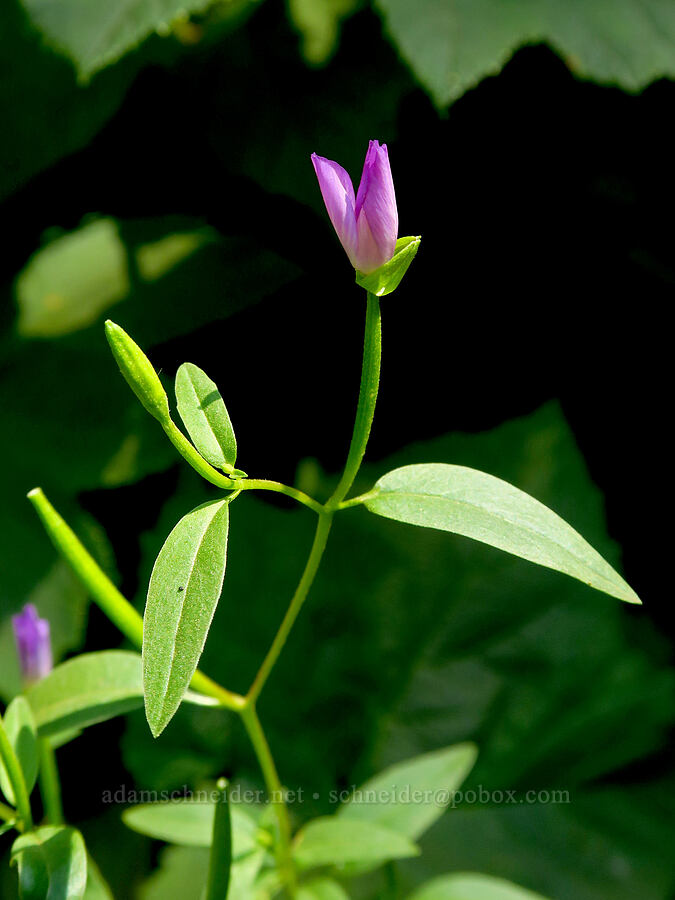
x=388, y=277
x=138, y=372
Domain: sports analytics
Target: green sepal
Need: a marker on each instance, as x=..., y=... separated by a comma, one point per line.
x=138, y=371
x=388, y=277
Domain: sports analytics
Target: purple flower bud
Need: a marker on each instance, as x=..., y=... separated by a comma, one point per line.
x=368, y=224
x=31, y=634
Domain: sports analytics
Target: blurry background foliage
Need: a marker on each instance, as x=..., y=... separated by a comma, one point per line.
x=154, y=166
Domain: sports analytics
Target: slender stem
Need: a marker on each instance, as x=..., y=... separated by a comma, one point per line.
x=275, y=791
x=370, y=381
x=357, y=501
x=305, y=583
x=262, y=484
x=104, y=593
x=198, y=463
x=16, y=779
x=50, y=786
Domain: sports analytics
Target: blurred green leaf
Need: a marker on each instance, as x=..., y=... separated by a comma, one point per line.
x=87, y=689
x=52, y=863
x=480, y=506
x=184, y=590
x=69, y=283
x=97, y=887
x=405, y=797
x=468, y=886
x=331, y=841
x=96, y=35
x=451, y=45
x=21, y=731
x=318, y=22
x=190, y=824
x=322, y=889
x=43, y=90
x=205, y=416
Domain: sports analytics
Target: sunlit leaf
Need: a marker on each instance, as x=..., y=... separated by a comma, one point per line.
x=21, y=731
x=480, y=506
x=204, y=415
x=467, y=886
x=87, y=689
x=184, y=590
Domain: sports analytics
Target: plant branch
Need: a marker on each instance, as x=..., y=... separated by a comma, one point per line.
x=50, y=786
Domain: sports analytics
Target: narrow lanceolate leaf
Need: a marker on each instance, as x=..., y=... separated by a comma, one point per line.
x=204, y=415
x=87, y=689
x=21, y=730
x=52, y=863
x=410, y=796
x=220, y=862
x=487, y=509
x=184, y=589
x=331, y=841
x=467, y=886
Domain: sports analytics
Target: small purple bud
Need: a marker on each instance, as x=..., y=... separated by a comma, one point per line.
x=34, y=647
x=367, y=225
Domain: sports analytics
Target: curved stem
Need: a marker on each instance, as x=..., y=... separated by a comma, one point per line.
x=50, y=786
x=249, y=717
x=16, y=779
x=370, y=382
x=263, y=484
x=316, y=553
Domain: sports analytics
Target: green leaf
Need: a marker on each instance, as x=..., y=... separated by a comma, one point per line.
x=330, y=841
x=467, y=886
x=322, y=889
x=190, y=824
x=97, y=887
x=410, y=796
x=66, y=285
x=87, y=689
x=220, y=861
x=94, y=35
x=21, y=731
x=52, y=863
x=319, y=26
x=388, y=277
x=452, y=44
x=204, y=415
x=480, y=506
x=184, y=590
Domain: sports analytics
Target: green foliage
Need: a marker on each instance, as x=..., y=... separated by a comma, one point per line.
x=453, y=642
x=480, y=506
x=205, y=416
x=410, y=796
x=222, y=852
x=52, y=863
x=452, y=44
x=87, y=689
x=332, y=841
x=184, y=590
x=95, y=35
x=21, y=731
x=190, y=824
x=463, y=886
x=322, y=889
x=388, y=277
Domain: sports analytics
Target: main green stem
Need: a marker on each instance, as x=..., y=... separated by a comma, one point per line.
x=275, y=791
